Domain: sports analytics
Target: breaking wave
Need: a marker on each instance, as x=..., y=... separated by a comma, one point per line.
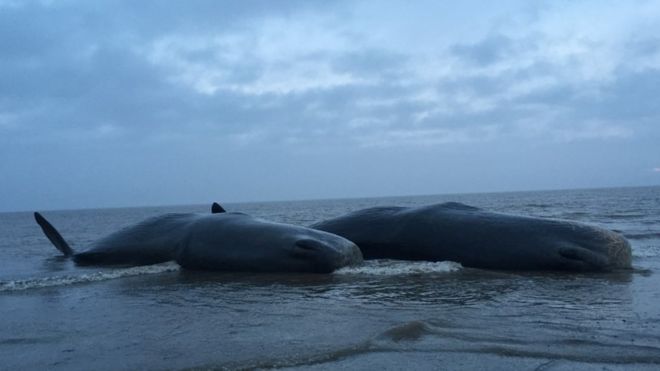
x=400, y=267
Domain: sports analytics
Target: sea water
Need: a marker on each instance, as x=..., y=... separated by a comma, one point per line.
x=384, y=314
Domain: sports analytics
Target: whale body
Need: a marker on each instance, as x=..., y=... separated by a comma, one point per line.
x=481, y=239
x=220, y=241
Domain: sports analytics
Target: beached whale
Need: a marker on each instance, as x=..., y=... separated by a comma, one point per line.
x=220, y=241
x=480, y=239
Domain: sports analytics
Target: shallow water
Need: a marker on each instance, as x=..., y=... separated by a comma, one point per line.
x=385, y=314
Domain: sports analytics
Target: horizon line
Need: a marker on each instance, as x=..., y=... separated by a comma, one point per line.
x=331, y=198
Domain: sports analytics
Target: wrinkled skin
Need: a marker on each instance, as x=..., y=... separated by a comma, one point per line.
x=220, y=242
x=480, y=239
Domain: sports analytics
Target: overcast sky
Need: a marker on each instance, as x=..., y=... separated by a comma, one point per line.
x=122, y=103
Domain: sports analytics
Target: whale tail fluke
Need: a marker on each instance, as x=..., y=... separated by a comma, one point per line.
x=53, y=235
x=217, y=209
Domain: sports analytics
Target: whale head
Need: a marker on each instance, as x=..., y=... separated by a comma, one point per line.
x=323, y=253
x=595, y=249
x=239, y=242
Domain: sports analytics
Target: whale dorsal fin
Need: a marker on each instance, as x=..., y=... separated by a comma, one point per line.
x=217, y=209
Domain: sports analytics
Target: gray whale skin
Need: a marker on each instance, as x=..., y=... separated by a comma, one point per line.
x=220, y=241
x=480, y=239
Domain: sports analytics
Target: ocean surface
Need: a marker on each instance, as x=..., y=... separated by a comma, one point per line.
x=382, y=315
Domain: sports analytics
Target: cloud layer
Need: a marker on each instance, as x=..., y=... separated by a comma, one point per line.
x=107, y=101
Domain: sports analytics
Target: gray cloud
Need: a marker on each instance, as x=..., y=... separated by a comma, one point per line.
x=113, y=97
x=487, y=51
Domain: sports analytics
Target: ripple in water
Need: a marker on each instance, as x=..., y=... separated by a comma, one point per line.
x=33, y=283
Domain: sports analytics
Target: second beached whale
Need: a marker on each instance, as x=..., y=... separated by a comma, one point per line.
x=480, y=239
x=219, y=241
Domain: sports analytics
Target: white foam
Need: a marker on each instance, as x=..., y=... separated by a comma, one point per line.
x=646, y=251
x=400, y=267
x=17, y=285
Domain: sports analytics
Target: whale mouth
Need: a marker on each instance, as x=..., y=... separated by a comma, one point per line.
x=609, y=251
x=316, y=256
x=326, y=258
x=580, y=258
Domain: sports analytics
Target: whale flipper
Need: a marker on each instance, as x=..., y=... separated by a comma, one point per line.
x=53, y=235
x=216, y=208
